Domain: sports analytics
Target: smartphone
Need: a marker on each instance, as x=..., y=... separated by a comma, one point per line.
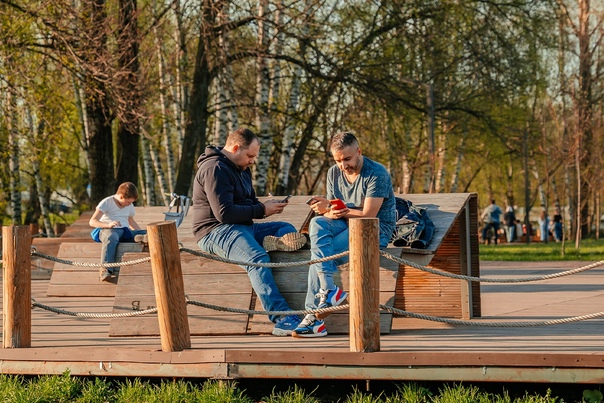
x=309, y=201
x=337, y=204
x=285, y=200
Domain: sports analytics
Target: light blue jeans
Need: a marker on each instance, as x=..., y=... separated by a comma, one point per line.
x=327, y=238
x=244, y=243
x=110, y=237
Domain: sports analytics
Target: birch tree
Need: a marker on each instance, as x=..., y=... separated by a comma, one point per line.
x=261, y=103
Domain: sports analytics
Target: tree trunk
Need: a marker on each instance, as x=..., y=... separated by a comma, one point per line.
x=261, y=104
x=13, y=160
x=166, y=130
x=128, y=131
x=197, y=116
x=287, y=149
x=148, y=175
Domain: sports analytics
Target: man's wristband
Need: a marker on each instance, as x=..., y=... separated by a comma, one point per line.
x=263, y=210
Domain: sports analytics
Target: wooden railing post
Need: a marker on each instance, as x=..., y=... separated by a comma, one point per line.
x=364, y=300
x=16, y=288
x=169, y=286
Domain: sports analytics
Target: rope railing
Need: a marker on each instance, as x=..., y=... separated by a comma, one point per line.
x=491, y=280
x=385, y=308
x=328, y=258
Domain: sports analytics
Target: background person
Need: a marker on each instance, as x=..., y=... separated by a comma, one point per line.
x=492, y=218
x=509, y=219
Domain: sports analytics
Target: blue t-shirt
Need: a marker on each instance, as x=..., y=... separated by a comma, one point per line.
x=373, y=181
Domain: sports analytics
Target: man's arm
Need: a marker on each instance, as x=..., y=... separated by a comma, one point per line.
x=371, y=207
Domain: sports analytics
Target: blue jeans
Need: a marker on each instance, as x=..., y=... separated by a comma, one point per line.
x=110, y=237
x=244, y=243
x=327, y=238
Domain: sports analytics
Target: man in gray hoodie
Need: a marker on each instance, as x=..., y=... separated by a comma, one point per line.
x=224, y=207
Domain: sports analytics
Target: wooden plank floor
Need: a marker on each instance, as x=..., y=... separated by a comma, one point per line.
x=416, y=349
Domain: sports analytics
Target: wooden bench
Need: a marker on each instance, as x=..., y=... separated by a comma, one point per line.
x=404, y=287
x=454, y=248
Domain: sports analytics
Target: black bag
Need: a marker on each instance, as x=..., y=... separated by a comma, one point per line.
x=413, y=226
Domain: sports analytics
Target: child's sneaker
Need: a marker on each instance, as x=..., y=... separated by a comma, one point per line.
x=329, y=298
x=310, y=327
x=141, y=238
x=285, y=325
x=286, y=243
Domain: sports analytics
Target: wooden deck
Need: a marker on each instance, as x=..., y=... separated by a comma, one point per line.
x=414, y=350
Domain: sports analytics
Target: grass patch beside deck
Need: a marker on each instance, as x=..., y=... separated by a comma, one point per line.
x=589, y=250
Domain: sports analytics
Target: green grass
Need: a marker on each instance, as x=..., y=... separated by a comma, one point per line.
x=589, y=250
x=66, y=388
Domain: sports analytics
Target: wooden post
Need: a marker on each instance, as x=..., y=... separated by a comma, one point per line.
x=60, y=228
x=16, y=268
x=364, y=285
x=169, y=286
x=34, y=228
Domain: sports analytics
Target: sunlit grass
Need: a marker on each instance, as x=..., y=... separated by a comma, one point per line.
x=590, y=250
x=66, y=388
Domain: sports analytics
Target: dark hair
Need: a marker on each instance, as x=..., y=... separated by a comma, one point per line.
x=342, y=140
x=128, y=190
x=242, y=137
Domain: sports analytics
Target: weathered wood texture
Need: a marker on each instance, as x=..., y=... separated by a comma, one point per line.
x=444, y=210
x=169, y=287
x=16, y=290
x=364, y=285
x=421, y=292
x=415, y=350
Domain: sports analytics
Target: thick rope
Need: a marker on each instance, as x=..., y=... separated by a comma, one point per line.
x=490, y=280
x=492, y=324
x=92, y=315
x=268, y=264
x=87, y=264
x=330, y=310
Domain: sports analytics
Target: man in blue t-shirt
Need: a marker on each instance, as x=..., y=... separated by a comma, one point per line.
x=492, y=218
x=365, y=188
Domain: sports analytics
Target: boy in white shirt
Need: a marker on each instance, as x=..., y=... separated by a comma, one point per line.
x=113, y=222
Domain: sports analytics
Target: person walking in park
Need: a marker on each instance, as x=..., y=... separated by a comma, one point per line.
x=509, y=219
x=543, y=226
x=365, y=188
x=492, y=218
x=113, y=222
x=557, y=230
x=224, y=208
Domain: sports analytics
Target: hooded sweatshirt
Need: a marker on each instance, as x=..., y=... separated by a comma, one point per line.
x=222, y=194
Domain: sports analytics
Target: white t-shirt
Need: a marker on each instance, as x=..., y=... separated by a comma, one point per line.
x=112, y=212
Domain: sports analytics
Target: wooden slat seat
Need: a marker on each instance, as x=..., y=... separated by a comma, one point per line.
x=77, y=281
x=454, y=248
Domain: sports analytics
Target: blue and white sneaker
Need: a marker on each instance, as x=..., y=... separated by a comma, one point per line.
x=285, y=325
x=329, y=298
x=310, y=327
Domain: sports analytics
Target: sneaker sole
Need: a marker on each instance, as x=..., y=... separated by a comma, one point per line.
x=287, y=243
x=281, y=333
x=308, y=336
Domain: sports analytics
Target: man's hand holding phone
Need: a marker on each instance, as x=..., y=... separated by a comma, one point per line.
x=337, y=204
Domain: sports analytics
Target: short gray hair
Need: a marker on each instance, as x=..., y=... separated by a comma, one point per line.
x=342, y=140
